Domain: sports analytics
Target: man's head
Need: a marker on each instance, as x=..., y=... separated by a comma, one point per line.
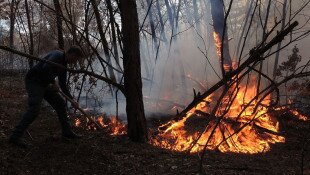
x=74, y=54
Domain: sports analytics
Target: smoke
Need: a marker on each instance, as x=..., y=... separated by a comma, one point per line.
x=188, y=59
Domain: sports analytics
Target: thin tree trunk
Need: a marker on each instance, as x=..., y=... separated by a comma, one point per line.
x=12, y=28
x=137, y=130
x=61, y=42
x=103, y=39
x=150, y=15
x=276, y=61
x=196, y=16
x=31, y=47
x=217, y=11
x=170, y=14
x=114, y=40
x=247, y=18
x=162, y=24
x=263, y=36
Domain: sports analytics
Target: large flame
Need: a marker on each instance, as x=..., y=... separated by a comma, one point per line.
x=244, y=128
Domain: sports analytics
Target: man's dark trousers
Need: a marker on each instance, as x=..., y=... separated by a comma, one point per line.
x=36, y=93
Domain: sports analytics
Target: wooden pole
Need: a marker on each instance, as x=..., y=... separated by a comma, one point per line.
x=80, y=109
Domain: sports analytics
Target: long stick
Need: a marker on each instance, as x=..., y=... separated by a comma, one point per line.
x=80, y=109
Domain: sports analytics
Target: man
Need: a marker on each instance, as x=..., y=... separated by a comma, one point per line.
x=40, y=84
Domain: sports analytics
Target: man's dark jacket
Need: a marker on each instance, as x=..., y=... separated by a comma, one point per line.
x=45, y=73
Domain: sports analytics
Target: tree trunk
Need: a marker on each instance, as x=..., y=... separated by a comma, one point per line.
x=196, y=16
x=170, y=14
x=150, y=15
x=103, y=39
x=217, y=11
x=113, y=29
x=12, y=28
x=276, y=61
x=137, y=130
x=31, y=47
x=61, y=42
x=162, y=25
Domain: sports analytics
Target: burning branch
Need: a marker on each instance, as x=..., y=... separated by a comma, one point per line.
x=254, y=58
x=240, y=119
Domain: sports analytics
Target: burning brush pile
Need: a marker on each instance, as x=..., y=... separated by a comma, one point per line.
x=237, y=121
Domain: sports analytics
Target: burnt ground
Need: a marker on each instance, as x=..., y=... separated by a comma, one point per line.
x=100, y=153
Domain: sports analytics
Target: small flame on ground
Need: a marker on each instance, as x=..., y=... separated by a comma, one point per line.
x=299, y=115
x=294, y=112
x=113, y=124
x=117, y=127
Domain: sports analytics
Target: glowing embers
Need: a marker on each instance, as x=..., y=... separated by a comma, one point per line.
x=293, y=112
x=241, y=124
x=218, y=43
x=112, y=124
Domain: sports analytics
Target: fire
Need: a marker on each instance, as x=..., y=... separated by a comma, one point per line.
x=113, y=124
x=117, y=127
x=293, y=112
x=298, y=115
x=242, y=129
x=218, y=45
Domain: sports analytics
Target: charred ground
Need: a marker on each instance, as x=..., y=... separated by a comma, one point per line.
x=100, y=153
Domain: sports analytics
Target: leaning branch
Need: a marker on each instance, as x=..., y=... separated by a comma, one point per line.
x=255, y=56
x=92, y=74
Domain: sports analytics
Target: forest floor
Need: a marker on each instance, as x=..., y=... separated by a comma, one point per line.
x=99, y=153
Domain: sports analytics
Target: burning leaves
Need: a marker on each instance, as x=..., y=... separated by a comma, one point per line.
x=112, y=124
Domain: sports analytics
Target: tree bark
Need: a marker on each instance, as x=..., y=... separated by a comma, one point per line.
x=113, y=29
x=162, y=25
x=217, y=11
x=102, y=37
x=152, y=25
x=170, y=14
x=61, y=42
x=276, y=61
x=137, y=130
x=196, y=16
x=31, y=46
x=13, y=7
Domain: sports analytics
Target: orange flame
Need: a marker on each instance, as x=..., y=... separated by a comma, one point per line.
x=294, y=112
x=240, y=129
x=218, y=45
x=299, y=115
x=114, y=125
x=117, y=127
